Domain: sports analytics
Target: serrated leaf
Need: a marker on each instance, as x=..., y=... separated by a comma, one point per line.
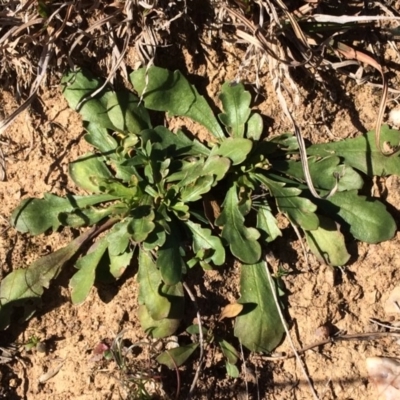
x=83, y=280
x=327, y=243
x=115, y=188
x=174, y=144
x=176, y=357
x=259, y=326
x=87, y=172
x=236, y=149
x=142, y=223
x=164, y=90
x=245, y=200
x=301, y=211
x=362, y=153
x=236, y=105
x=323, y=173
x=367, y=219
x=36, y=216
x=230, y=311
x=242, y=240
x=195, y=190
x=118, y=263
x=118, y=237
x=255, y=126
x=80, y=85
x=126, y=114
x=181, y=210
x=191, y=171
x=230, y=353
x=24, y=287
x=203, y=239
x=267, y=223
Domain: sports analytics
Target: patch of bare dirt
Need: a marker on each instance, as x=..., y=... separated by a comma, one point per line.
x=38, y=148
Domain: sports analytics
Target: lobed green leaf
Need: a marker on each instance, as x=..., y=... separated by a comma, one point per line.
x=203, y=239
x=242, y=240
x=164, y=90
x=177, y=356
x=118, y=237
x=142, y=223
x=258, y=326
x=236, y=149
x=119, y=263
x=24, y=287
x=80, y=85
x=149, y=279
x=362, y=153
x=195, y=190
x=267, y=223
x=327, y=243
x=126, y=113
x=236, y=105
x=255, y=127
x=301, y=211
x=36, y=216
x=324, y=173
x=87, y=172
x=367, y=219
x=83, y=280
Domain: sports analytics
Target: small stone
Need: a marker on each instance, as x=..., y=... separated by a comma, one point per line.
x=394, y=116
x=41, y=347
x=323, y=332
x=13, y=383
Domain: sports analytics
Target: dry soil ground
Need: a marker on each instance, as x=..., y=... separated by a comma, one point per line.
x=38, y=148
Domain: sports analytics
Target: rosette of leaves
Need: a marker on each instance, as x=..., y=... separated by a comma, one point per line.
x=169, y=202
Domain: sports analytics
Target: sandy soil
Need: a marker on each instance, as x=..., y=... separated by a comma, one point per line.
x=38, y=148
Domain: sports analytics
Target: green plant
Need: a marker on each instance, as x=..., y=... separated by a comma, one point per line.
x=134, y=377
x=152, y=192
x=34, y=342
x=174, y=358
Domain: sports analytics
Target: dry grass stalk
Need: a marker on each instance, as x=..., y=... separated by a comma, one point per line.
x=45, y=38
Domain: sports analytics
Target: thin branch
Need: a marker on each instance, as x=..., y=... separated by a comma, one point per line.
x=374, y=321
x=334, y=339
x=201, y=342
x=245, y=371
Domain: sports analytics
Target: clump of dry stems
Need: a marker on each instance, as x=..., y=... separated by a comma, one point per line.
x=42, y=36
